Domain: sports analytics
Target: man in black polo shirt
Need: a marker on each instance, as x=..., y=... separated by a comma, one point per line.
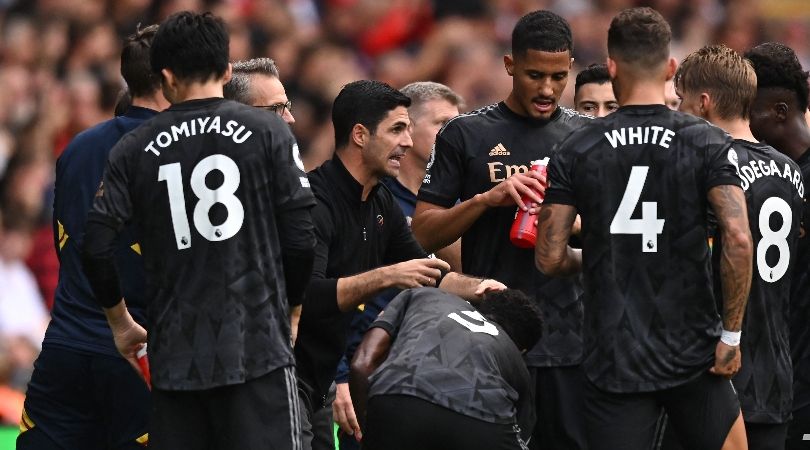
x=442, y=375
x=364, y=242
x=777, y=118
x=222, y=206
x=483, y=158
x=642, y=179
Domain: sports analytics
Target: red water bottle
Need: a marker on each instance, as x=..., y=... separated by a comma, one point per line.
x=143, y=363
x=524, y=229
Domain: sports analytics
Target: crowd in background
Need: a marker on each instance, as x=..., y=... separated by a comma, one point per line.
x=59, y=74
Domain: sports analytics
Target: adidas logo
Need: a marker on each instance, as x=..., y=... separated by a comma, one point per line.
x=499, y=150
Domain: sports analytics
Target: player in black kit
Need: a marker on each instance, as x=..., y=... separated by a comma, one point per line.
x=483, y=159
x=642, y=180
x=441, y=375
x=717, y=84
x=777, y=118
x=222, y=207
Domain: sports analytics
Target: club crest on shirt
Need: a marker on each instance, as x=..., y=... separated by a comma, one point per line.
x=380, y=221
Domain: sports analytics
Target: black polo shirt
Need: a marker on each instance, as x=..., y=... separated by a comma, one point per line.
x=353, y=236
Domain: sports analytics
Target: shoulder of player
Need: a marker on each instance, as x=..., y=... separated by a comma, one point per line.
x=689, y=125
x=470, y=120
x=573, y=117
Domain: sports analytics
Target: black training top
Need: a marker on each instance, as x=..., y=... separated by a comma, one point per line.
x=639, y=178
x=446, y=352
x=800, y=303
x=473, y=153
x=353, y=236
x=207, y=183
x=774, y=191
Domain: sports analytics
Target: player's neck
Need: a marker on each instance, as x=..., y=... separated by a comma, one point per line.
x=353, y=162
x=796, y=139
x=641, y=92
x=412, y=173
x=737, y=128
x=196, y=90
x=155, y=101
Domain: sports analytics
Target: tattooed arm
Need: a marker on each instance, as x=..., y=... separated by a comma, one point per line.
x=728, y=203
x=552, y=255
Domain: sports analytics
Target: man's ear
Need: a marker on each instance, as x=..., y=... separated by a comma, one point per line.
x=611, y=67
x=706, y=104
x=359, y=135
x=672, y=67
x=168, y=78
x=780, y=111
x=226, y=77
x=509, y=64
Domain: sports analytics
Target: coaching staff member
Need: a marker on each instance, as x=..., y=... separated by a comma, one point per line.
x=364, y=244
x=78, y=354
x=642, y=180
x=223, y=210
x=444, y=376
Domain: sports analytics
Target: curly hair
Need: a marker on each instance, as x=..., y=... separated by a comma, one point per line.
x=777, y=66
x=516, y=313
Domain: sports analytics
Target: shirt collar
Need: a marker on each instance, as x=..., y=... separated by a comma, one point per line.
x=345, y=183
x=138, y=112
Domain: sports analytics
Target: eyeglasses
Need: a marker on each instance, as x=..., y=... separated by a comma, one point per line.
x=278, y=108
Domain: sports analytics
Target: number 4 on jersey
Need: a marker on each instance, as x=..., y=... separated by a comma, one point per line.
x=649, y=226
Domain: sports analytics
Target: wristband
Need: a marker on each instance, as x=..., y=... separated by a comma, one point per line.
x=731, y=338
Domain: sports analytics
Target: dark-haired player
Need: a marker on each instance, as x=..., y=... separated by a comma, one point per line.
x=777, y=118
x=717, y=84
x=593, y=92
x=222, y=206
x=483, y=159
x=642, y=180
x=83, y=394
x=439, y=374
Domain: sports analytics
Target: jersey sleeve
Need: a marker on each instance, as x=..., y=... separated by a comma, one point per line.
x=445, y=170
x=321, y=294
x=291, y=185
x=722, y=162
x=560, y=188
x=390, y=319
x=402, y=246
x=113, y=203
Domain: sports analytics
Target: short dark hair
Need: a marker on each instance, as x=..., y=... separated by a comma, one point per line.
x=135, y=66
x=595, y=73
x=777, y=66
x=366, y=102
x=541, y=30
x=516, y=313
x=238, y=87
x=640, y=37
x=193, y=46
